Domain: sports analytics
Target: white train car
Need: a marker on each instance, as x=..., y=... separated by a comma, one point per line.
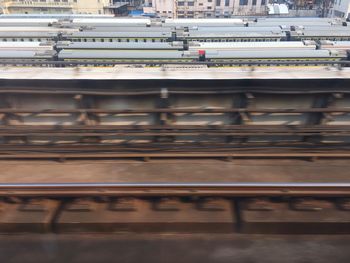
x=335, y=45
x=243, y=46
x=120, y=45
x=111, y=22
x=26, y=46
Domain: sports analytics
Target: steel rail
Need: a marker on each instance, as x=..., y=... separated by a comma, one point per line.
x=164, y=128
x=59, y=90
x=176, y=147
x=174, y=110
x=86, y=131
x=176, y=189
x=80, y=154
x=179, y=133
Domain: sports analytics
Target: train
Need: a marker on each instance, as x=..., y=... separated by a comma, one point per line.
x=216, y=56
x=107, y=29
x=153, y=52
x=107, y=39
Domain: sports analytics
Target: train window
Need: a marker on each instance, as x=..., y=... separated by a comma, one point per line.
x=161, y=40
x=127, y=40
x=136, y=40
x=85, y=40
x=5, y=40
x=102, y=40
x=14, y=40
x=30, y=39
x=22, y=39
x=93, y=40
x=145, y=40
x=153, y=40
x=110, y=40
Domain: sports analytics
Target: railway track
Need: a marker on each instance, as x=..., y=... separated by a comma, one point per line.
x=78, y=152
x=174, y=119
x=176, y=208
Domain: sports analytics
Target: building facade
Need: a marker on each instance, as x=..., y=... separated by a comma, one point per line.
x=340, y=8
x=61, y=6
x=206, y=8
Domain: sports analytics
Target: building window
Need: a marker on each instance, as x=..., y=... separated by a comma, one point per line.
x=190, y=3
x=254, y=2
x=243, y=2
x=218, y=2
x=181, y=3
x=227, y=2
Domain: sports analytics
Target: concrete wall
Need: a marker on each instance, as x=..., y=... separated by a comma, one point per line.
x=90, y=6
x=341, y=8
